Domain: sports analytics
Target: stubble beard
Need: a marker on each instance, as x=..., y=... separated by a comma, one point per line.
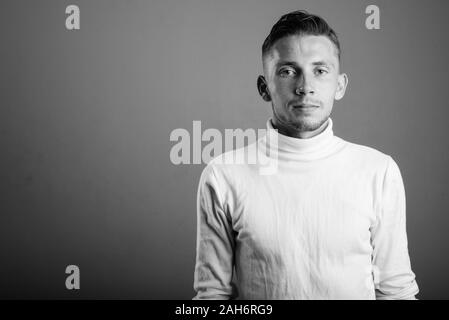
x=300, y=124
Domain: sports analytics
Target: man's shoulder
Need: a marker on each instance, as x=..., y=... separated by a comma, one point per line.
x=233, y=162
x=367, y=154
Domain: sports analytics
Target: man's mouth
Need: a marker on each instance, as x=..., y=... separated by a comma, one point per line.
x=304, y=106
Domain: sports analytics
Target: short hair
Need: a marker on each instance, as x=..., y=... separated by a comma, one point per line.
x=300, y=22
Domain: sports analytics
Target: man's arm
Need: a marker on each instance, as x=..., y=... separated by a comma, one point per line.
x=215, y=242
x=393, y=276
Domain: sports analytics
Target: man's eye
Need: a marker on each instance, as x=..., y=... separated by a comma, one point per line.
x=321, y=71
x=287, y=72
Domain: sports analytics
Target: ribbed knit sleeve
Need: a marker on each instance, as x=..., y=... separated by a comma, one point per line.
x=215, y=242
x=393, y=277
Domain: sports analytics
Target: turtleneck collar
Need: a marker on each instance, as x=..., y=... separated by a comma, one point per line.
x=298, y=145
x=290, y=148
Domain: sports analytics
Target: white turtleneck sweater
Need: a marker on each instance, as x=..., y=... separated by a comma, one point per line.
x=329, y=223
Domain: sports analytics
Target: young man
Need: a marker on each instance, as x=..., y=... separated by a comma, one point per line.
x=330, y=222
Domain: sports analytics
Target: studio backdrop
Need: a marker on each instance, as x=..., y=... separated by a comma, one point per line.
x=92, y=92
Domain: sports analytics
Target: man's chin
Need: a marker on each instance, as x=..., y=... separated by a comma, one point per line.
x=307, y=123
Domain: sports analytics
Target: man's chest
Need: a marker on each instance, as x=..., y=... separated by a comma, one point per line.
x=308, y=212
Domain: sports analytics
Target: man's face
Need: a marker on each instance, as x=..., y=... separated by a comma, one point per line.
x=302, y=80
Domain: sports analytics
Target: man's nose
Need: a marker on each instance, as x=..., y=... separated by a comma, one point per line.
x=304, y=86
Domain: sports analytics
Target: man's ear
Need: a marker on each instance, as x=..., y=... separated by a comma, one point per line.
x=341, y=86
x=262, y=86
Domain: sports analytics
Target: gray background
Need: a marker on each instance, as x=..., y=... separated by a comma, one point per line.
x=86, y=116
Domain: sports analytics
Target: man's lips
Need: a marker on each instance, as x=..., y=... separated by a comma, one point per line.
x=304, y=106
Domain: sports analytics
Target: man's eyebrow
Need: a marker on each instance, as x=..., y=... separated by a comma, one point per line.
x=286, y=63
x=324, y=63
x=316, y=63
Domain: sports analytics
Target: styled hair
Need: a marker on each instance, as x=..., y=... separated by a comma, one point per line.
x=300, y=23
